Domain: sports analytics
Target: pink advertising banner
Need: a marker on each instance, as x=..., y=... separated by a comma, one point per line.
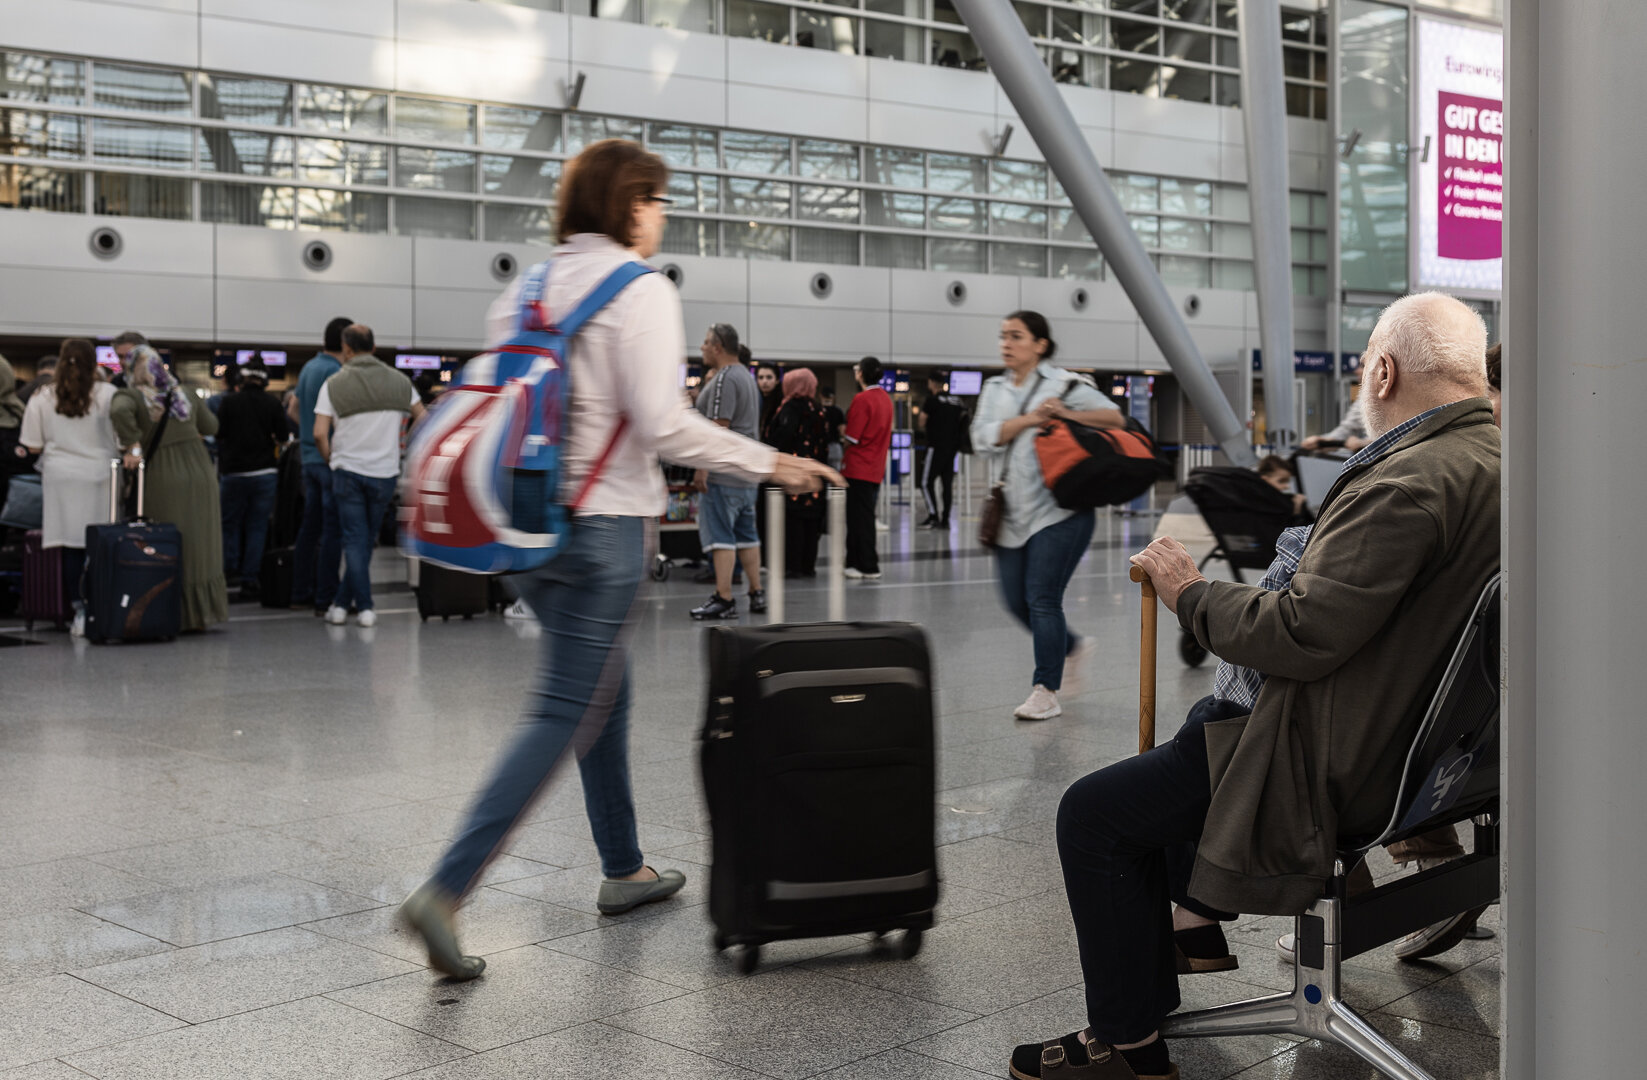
x=1470, y=195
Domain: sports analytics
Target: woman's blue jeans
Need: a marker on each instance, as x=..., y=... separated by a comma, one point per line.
x=583, y=599
x=1033, y=580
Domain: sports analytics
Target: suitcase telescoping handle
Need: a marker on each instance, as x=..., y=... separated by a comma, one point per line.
x=776, y=505
x=115, y=486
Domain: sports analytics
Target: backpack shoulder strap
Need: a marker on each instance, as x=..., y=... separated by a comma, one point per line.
x=601, y=295
x=531, y=315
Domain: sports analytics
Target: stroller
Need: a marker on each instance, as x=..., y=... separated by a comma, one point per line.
x=1246, y=516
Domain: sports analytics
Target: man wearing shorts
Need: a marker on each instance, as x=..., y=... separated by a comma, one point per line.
x=726, y=510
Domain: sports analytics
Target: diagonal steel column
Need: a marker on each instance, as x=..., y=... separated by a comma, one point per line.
x=1012, y=58
x=1264, y=117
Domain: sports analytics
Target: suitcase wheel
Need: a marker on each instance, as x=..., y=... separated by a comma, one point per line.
x=660, y=568
x=1190, y=650
x=910, y=944
x=749, y=958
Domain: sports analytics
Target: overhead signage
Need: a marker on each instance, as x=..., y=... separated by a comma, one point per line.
x=1460, y=195
x=1303, y=362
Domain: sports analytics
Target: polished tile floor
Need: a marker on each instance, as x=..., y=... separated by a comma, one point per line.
x=201, y=845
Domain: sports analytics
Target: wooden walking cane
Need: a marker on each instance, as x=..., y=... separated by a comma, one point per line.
x=1146, y=663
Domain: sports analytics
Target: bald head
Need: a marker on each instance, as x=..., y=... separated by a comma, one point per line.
x=1428, y=349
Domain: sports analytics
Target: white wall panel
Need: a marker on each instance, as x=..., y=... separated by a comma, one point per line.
x=277, y=255
x=925, y=290
x=450, y=318
x=867, y=288
x=780, y=332
x=966, y=340
x=796, y=112
x=92, y=303
x=609, y=43
x=465, y=264
x=505, y=29
x=371, y=18
x=1094, y=343
x=713, y=281
x=1166, y=155
x=456, y=71
x=158, y=34
x=295, y=53
x=63, y=241
x=896, y=82
x=1185, y=119
x=1220, y=345
x=1053, y=297
x=943, y=130
x=299, y=310
x=1219, y=307
x=679, y=98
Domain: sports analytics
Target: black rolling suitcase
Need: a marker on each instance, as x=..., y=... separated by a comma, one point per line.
x=133, y=586
x=443, y=593
x=819, y=766
x=274, y=577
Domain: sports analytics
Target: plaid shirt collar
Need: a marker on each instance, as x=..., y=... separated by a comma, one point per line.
x=1382, y=445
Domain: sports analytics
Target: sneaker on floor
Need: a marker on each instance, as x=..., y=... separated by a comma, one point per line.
x=1286, y=947
x=367, y=618
x=869, y=575
x=1438, y=937
x=852, y=573
x=757, y=602
x=716, y=607
x=518, y=610
x=1042, y=704
x=617, y=897
x=336, y=615
x=77, y=628
x=1077, y=667
x=881, y=526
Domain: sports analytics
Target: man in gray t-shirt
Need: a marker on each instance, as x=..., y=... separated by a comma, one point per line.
x=726, y=505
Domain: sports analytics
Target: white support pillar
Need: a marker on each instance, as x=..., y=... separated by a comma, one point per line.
x=1575, y=491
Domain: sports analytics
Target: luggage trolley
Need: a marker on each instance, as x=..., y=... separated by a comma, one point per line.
x=1246, y=516
x=678, y=543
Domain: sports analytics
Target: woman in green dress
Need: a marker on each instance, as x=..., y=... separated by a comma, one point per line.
x=180, y=485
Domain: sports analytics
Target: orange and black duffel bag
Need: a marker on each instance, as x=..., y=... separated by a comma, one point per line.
x=1086, y=467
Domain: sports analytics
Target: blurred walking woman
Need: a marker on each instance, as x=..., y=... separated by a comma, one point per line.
x=798, y=427
x=626, y=410
x=1039, y=543
x=67, y=424
x=180, y=485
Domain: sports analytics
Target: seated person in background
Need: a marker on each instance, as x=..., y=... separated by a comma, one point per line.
x=1352, y=648
x=1273, y=470
x=1351, y=432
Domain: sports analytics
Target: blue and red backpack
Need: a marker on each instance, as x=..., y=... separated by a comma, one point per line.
x=482, y=479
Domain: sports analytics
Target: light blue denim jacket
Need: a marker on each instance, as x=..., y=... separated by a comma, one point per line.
x=1030, y=506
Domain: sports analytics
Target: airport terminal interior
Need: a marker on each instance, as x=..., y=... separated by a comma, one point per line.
x=217, y=837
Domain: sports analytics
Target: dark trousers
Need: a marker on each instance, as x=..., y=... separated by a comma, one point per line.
x=1126, y=837
x=802, y=528
x=74, y=568
x=245, y=504
x=319, y=546
x=861, y=496
x=938, y=471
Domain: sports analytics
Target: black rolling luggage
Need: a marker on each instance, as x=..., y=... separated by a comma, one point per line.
x=274, y=577
x=443, y=593
x=133, y=586
x=819, y=766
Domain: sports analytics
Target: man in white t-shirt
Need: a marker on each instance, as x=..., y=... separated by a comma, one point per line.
x=359, y=418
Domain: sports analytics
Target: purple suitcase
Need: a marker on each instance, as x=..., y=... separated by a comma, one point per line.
x=43, y=599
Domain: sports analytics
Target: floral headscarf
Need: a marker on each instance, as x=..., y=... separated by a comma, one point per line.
x=148, y=375
x=799, y=383
x=11, y=406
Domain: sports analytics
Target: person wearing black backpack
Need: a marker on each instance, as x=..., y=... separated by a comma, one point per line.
x=1038, y=543
x=944, y=419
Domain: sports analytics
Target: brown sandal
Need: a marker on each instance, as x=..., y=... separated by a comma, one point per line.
x=1057, y=1060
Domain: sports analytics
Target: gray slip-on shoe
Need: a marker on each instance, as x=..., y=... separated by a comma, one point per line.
x=428, y=911
x=617, y=897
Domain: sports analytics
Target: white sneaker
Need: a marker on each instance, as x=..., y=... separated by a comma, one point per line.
x=1286, y=947
x=870, y=575
x=1042, y=704
x=852, y=573
x=1077, y=667
x=519, y=610
x=77, y=628
x=367, y=618
x=337, y=616
x=881, y=526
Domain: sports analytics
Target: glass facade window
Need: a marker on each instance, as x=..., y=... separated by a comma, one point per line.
x=1080, y=264
x=518, y=177
x=956, y=215
x=755, y=241
x=964, y=256
x=757, y=198
x=748, y=152
x=695, y=193
x=1178, y=270
x=263, y=205
x=1015, y=219
x=122, y=195
x=895, y=210
x=342, y=211
x=956, y=172
x=249, y=153
x=753, y=19
x=141, y=89
x=896, y=168
x=899, y=252
x=827, y=160
x=826, y=30
x=1018, y=179
x=582, y=130
x=1180, y=235
x=434, y=170
x=838, y=204
x=1024, y=260
x=32, y=187
x=521, y=129
x=40, y=134
x=681, y=146
x=264, y=102
x=451, y=219
x=520, y=224
x=834, y=246
x=336, y=108
x=46, y=80
x=892, y=41
x=135, y=142
x=428, y=120
x=694, y=15
x=684, y=236
x=332, y=161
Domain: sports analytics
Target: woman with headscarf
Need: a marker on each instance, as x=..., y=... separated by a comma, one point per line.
x=798, y=427
x=13, y=459
x=67, y=424
x=180, y=486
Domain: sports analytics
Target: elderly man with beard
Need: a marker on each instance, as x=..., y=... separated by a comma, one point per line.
x=1350, y=648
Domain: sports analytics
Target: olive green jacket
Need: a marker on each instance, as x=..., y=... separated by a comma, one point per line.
x=1354, y=650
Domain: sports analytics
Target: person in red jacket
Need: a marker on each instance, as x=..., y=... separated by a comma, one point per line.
x=868, y=435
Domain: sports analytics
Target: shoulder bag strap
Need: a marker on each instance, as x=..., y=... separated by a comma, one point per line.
x=1006, y=458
